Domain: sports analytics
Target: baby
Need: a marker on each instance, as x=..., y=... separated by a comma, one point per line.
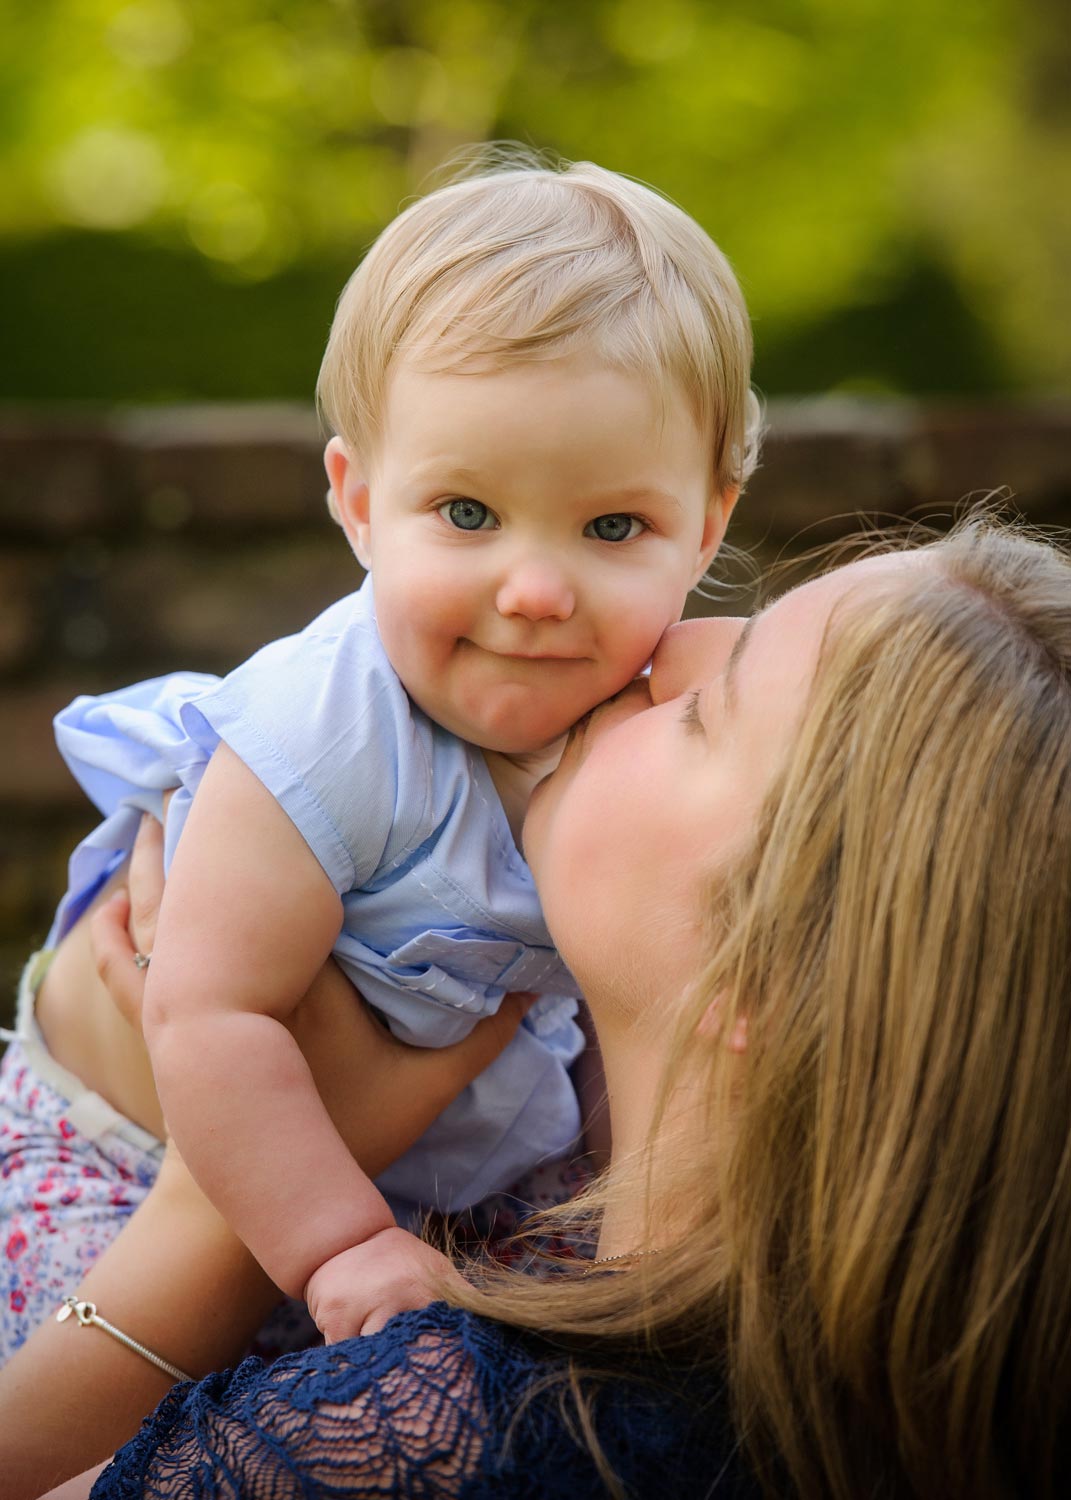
x=539, y=386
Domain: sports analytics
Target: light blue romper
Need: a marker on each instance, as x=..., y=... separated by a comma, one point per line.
x=441, y=917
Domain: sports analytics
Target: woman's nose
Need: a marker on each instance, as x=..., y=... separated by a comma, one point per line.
x=536, y=590
x=691, y=654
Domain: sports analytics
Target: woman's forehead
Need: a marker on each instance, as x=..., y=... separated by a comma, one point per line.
x=782, y=643
x=791, y=626
x=819, y=596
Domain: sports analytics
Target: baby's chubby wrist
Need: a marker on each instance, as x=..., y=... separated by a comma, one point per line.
x=342, y=1259
x=358, y=1290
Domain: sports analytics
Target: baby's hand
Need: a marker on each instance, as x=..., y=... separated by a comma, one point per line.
x=360, y=1289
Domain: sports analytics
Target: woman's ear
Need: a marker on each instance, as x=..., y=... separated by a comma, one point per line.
x=738, y=1040
x=720, y=507
x=710, y=1024
x=348, y=499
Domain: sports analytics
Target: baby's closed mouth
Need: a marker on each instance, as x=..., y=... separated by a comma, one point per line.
x=555, y=656
x=538, y=656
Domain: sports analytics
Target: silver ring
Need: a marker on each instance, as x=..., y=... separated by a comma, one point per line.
x=141, y=960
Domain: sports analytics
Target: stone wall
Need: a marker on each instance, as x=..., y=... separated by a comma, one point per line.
x=138, y=542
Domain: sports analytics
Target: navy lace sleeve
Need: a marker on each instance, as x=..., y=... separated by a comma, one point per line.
x=365, y=1417
x=423, y=1409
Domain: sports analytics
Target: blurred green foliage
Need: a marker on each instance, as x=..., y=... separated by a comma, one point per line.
x=186, y=183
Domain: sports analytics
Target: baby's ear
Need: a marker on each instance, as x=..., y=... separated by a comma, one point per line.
x=347, y=498
x=720, y=507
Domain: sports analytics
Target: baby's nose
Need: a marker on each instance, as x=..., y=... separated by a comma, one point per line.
x=536, y=590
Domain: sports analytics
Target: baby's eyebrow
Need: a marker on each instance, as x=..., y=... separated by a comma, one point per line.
x=450, y=477
x=618, y=500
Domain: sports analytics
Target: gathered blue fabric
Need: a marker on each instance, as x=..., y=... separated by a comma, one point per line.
x=440, y=913
x=428, y=1408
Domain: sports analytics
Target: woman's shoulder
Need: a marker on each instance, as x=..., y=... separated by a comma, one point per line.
x=660, y=1429
x=440, y=1401
x=500, y=1398
x=383, y=1414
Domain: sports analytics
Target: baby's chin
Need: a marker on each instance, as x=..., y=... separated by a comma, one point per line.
x=501, y=733
x=522, y=753
x=531, y=751
x=522, y=742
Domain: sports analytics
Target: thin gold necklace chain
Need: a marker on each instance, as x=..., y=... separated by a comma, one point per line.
x=604, y=1260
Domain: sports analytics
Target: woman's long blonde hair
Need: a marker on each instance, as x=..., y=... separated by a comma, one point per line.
x=879, y=1266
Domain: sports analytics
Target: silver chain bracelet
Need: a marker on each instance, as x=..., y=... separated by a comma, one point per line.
x=87, y=1315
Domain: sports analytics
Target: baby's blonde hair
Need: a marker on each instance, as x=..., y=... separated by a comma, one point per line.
x=526, y=262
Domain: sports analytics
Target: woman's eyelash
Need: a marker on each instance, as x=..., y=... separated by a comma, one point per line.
x=690, y=715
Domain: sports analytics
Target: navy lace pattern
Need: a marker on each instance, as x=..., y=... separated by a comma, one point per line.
x=425, y=1409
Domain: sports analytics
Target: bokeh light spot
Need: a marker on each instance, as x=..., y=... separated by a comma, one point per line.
x=227, y=223
x=408, y=85
x=109, y=177
x=149, y=33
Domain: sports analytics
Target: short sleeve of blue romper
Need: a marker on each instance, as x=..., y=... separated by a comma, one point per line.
x=441, y=918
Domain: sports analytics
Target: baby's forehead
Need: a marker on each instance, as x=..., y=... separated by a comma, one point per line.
x=531, y=397
x=569, y=361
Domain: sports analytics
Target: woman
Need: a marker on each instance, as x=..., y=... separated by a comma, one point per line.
x=817, y=889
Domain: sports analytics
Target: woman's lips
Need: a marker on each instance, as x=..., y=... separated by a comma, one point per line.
x=624, y=705
x=636, y=690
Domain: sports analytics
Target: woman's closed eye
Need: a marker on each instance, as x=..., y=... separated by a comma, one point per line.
x=468, y=515
x=690, y=715
x=616, y=527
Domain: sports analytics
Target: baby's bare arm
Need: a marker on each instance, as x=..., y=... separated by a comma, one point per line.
x=177, y=1277
x=247, y=921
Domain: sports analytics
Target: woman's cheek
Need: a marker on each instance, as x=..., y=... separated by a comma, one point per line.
x=558, y=848
x=579, y=817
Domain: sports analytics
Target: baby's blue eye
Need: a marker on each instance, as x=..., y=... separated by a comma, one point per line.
x=614, y=528
x=467, y=515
